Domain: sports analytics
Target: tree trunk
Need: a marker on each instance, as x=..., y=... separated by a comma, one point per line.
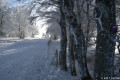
x=55, y=59
x=72, y=52
x=105, y=48
x=82, y=62
x=63, y=45
x=87, y=31
x=1, y=24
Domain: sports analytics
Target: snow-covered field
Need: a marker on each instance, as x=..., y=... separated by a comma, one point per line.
x=29, y=59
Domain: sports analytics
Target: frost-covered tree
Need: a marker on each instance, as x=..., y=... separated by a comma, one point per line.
x=3, y=13
x=19, y=23
x=47, y=11
x=105, y=14
x=76, y=31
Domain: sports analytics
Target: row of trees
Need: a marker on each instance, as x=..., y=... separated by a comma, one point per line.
x=15, y=21
x=71, y=17
x=76, y=23
x=71, y=9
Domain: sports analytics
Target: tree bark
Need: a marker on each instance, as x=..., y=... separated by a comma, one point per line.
x=82, y=62
x=87, y=31
x=105, y=48
x=63, y=44
x=72, y=52
x=1, y=24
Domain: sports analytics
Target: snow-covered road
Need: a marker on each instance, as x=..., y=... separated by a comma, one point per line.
x=28, y=60
x=16, y=60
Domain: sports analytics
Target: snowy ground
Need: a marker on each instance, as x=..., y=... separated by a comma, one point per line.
x=29, y=59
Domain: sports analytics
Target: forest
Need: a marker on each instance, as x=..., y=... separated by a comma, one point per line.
x=59, y=39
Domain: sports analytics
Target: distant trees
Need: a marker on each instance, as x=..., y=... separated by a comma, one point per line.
x=15, y=22
x=19, y=19
x=48, y=12
x=3, y=13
